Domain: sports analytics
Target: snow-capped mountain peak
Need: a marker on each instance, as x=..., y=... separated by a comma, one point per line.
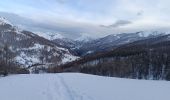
x=50, y=35
x=84, y=38
x=151, y=33
x=4, y=21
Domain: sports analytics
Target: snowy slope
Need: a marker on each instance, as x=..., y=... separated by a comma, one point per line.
x=4, y=21
x=84, y=38
x=50, y=36
x=29, y=49
x=80, y=87
x=152, y=33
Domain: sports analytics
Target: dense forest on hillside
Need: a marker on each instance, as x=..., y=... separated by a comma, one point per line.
x=145, y=59
x=7, y=63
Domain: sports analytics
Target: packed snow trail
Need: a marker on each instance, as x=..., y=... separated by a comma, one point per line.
x=36, y=87
x=77, y=86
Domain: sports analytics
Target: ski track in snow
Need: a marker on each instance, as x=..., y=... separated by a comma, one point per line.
x=51, y=87
x=72, y=94
x=78, y=86
x=57, y=89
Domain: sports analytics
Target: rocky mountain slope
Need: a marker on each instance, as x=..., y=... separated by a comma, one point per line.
x=29, y=49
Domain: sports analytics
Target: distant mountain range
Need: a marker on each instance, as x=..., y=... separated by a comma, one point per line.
x=38, y=50
x=109, y=42
x=147, y=58
x=88, y=46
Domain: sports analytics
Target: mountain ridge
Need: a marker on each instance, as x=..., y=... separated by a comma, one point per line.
x=30, y=49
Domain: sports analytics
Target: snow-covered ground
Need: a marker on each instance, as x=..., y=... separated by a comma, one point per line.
x=77, y=86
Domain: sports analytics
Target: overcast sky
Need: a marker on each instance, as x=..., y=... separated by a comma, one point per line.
x=94, y=17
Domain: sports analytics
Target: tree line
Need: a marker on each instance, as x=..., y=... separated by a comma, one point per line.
x=146, y=59
x=7, y=63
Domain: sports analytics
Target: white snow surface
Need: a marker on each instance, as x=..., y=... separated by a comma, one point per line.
x=26, y=60
x=75, y=86
x=69, y=58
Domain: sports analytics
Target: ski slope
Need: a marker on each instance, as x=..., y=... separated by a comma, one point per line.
x=75, y=86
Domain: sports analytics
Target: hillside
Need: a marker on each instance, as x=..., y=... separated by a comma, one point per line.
x=143, y=59
x=29, y=50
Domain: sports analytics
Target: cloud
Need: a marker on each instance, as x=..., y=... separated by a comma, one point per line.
x=140, y=13
x=73, y=17
x=118, y=23
x=66, y=28
x=61, y=1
